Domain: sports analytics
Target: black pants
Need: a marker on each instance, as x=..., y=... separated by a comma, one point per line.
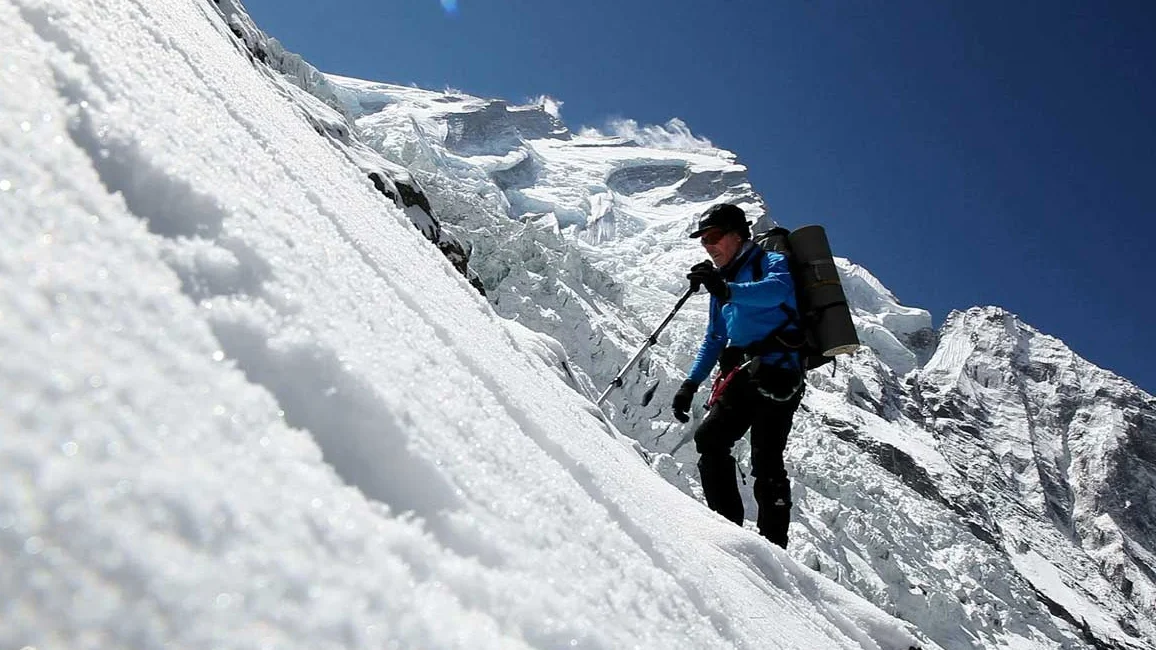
x=743, y=406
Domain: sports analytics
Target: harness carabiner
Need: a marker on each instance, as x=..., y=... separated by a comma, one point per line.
x=721, y=382
x=790, y=396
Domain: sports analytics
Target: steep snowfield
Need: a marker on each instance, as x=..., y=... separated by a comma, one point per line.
x=246, y=401
x=247, y=404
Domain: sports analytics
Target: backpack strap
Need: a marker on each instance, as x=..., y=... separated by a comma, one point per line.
x=781, y=339
x=757, y=271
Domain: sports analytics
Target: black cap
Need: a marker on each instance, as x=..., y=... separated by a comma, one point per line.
x=724, y=215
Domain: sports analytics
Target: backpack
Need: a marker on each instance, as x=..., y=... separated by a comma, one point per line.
x=823, y=316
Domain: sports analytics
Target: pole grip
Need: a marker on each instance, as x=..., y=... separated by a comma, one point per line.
x=650, y=340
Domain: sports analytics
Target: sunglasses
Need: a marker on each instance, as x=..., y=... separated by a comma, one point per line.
x=712, y=237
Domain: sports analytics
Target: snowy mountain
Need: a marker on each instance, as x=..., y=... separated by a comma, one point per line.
x=252, y=395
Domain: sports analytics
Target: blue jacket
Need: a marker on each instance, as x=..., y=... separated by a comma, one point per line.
x=753, y=312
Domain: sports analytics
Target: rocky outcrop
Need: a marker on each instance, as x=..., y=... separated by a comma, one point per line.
x=315, y=97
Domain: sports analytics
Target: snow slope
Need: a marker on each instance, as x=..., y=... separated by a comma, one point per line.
x=249, y=390
x=246, y=403
x=582, y=237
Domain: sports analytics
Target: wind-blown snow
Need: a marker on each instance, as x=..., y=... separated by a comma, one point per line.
x=250, y=403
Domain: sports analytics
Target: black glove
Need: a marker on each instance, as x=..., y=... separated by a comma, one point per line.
x=696, y=284
x=706, y=275
x=681, y=402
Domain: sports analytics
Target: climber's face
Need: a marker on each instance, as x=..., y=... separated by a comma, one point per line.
x=721, y=245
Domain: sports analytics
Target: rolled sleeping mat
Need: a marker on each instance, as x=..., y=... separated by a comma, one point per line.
x=821, y=293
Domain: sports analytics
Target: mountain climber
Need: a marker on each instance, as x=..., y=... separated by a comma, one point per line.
x=750, y=333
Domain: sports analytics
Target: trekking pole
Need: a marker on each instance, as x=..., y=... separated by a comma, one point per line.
x=650, y=340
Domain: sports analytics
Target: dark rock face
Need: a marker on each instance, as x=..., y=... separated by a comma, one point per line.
x=411, y=195
x=972, y=512
x=496, y=128
x=519, y=176
x=380, y=185
x=457, y=254
x=1135, y=473
x=392, y=181
x=1129, y=495
x=704, y=186
x=922, y=343
x=634, y=180
x=889, y=458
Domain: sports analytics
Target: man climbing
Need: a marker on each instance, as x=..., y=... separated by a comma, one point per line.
x=751, y=334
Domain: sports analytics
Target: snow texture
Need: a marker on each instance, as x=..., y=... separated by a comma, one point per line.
x=249, y=399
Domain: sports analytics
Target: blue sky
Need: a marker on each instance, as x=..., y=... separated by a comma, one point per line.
x=967, y=153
